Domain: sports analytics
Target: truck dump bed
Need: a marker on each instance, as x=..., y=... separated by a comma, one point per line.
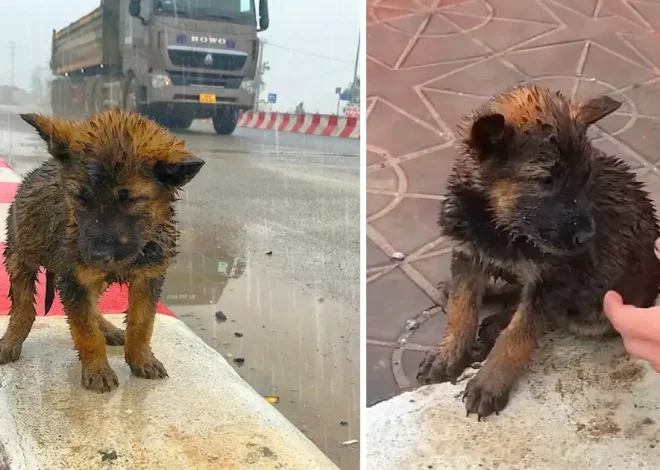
x=91, y=41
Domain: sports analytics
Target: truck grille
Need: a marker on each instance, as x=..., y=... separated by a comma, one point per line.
x=204, y=79
x=195, y=59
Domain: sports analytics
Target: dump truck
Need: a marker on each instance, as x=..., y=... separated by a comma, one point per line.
x=171, y=60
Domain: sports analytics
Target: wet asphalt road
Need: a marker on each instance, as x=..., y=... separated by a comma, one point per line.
x=270, y=238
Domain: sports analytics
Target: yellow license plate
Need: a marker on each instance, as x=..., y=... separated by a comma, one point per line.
x=206, y=98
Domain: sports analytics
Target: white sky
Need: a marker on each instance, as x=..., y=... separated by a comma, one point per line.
x=327, y=28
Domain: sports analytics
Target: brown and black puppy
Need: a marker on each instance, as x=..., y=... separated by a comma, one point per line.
x=532, y=202
x=100, y=211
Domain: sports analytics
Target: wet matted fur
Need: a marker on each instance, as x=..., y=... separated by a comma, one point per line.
x=531, y=201
x=100, y=211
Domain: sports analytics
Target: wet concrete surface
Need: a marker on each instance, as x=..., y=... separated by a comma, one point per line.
x=202, y=417
x=269, y=237
x=326, y=145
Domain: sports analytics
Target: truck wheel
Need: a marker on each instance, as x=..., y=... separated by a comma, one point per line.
x=93, y=96
x=55, y=98
x=224, y=122
x=60, y=98
x=131, y=96
x=179, y=123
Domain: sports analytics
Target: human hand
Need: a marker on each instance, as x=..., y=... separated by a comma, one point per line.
x=639, y=327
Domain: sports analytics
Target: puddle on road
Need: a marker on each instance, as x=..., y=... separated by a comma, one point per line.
x=295, y=344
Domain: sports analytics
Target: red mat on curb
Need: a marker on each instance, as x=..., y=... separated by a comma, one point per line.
x=114, y=300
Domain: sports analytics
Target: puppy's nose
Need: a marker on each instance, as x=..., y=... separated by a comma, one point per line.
x=101, y=254
x=582, y=237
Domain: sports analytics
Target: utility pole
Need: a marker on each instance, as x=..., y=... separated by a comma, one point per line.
x=355, y=72
x=257, y=91
x=12, y=52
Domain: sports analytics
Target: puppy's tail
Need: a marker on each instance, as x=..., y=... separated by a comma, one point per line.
x=50, y=291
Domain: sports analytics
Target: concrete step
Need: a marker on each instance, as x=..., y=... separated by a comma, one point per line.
x=580, y=405
x=204, y=416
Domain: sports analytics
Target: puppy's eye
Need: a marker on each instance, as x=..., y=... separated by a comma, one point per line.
x=548, y=181
x=551, y=178
x=124, y=197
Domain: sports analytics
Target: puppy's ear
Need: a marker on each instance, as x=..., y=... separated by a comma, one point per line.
x=57, y=133
x=490, y=135
x=595, y=109
x=178, y=174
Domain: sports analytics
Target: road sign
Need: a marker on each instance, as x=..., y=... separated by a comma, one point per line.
x=353, y=112
x=338, y=90
x=345, y=97
x=272, y=98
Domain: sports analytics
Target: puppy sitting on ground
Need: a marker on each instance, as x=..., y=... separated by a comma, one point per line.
x=531, y=201
x=100, y=211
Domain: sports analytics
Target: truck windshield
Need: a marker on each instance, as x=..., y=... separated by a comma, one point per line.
x=235, y=11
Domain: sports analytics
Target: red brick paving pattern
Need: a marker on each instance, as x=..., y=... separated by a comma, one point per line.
x=431, y=61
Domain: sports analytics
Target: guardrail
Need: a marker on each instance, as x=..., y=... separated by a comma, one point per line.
x=313, y=124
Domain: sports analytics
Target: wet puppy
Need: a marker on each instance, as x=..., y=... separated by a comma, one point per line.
x=100, y=211
x=531, y=201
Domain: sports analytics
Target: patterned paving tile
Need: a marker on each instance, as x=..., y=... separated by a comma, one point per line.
x=429, y=62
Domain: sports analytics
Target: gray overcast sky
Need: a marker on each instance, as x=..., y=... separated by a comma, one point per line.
x=322, y=27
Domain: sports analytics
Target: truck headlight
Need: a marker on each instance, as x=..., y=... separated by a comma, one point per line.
x=248, y=85
x=160, y=81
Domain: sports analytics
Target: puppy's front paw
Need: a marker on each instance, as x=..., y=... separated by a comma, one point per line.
x=9, y=352
x=100, y=380
x=148, y=368
x=442, y=364
x=486, y=394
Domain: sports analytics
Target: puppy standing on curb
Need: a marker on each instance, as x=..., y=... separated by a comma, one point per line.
x=532, y=202
x=100, y=211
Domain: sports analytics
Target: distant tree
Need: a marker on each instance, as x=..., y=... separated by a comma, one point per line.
x=300, y=108
x=259, y=82
x=354, y=90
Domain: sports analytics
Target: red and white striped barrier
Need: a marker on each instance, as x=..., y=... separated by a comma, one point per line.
x=314, y=124
x=115, y=299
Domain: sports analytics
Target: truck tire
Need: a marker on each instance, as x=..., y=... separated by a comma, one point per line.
x=55, y=97
x=93, y=96
x=59, y=98
x=224, y=122
x=179, y=123
x=130, y=96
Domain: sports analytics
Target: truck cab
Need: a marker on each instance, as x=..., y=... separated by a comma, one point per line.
x=187, y=59
x=172, y=60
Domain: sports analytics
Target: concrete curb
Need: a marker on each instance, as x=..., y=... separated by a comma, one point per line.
x=581, y=404
x=204, y=416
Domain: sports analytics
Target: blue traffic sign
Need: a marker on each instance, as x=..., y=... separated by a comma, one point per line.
x=345, y=97
x=272, y=97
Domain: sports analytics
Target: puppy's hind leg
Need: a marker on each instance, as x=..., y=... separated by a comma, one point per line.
x=114, y=336
x=489, y=330
x=22, y=278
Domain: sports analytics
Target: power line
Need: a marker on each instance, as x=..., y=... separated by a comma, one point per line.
x=313, y=54
x=309, y=77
